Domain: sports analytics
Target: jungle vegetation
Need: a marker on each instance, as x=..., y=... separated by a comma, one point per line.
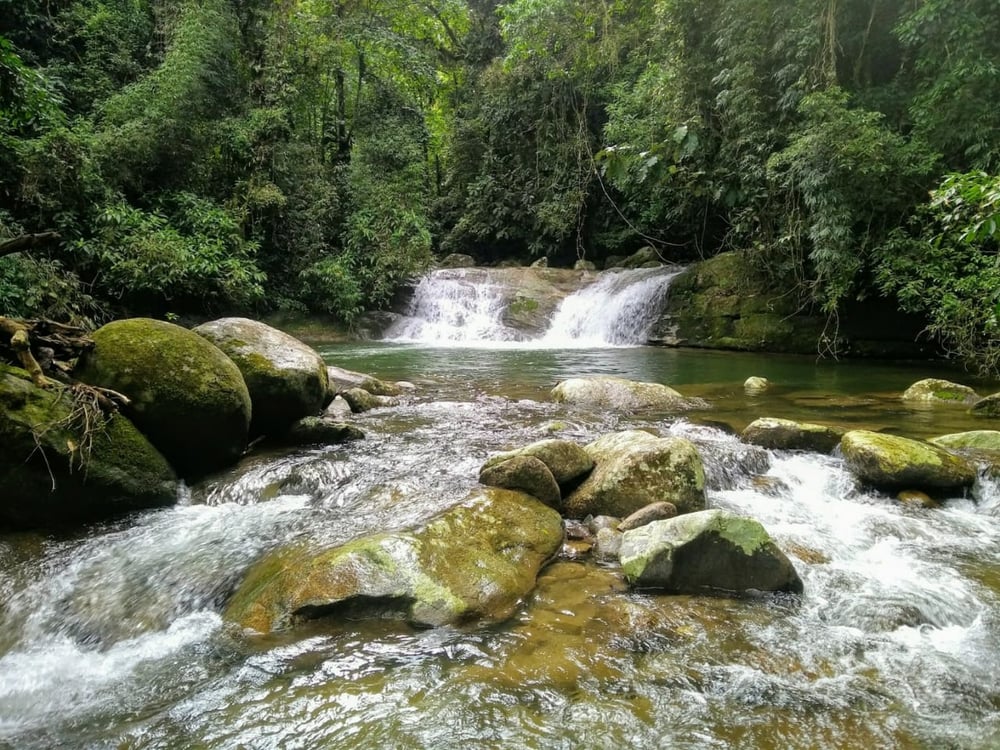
x=251, y=155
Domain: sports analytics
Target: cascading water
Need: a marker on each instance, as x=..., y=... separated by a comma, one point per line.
x=454, y=307
x=468, y=306
x=618, y=309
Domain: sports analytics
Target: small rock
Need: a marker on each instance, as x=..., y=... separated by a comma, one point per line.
x=916, y=499
x=770, y=486
x=596, y=523
x=317, y=430
x=756, y=385
x=338, y=409
x=541, y=263
x=987, y=407
x=784, y=434
x=576, y=529
x=584, y=265
x=608, y=544
x=457, y=260
x=606, y=392
x=567, y=461
x=361, y=400
x=936, y=391
x=525, y=473
x=652, y=512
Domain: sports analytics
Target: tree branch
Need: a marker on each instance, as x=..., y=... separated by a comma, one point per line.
x=27, y=241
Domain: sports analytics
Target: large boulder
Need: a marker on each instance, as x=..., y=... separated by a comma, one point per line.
x=63, y=462
x=892, y=463
x=287, y=380
x=187, y=396
x=633, y=469
x=524, y=473
x=704, y=552
x=937, y=391
x=784, y=434
x=474, y=561
x=605, y=392
x=567, y=461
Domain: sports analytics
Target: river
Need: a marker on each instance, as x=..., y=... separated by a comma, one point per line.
x=112, y=637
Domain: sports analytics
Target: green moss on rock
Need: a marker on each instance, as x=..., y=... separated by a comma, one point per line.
x=784, y=434
x=893, y=463
x=474, y=561
x=52, y=473
x=187, y=396
x=286, y=379
x=936, y=391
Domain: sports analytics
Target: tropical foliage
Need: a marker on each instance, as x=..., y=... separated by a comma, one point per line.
x=215, y=154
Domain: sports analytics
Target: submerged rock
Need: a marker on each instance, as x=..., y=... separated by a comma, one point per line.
x=567, y=461
x=916, y=499
x=361, y=400
x=474, y=561
x=342, y=380
x=607, y=392
x=708, y=551
x=754, y=386
x=525, y=473
x=53, y=472
x=784, y=434
x=286, y=379
x=317, y=430
x=987, y=407
x=936, y=391
x=187, y=396
x=975, y=440
x=633, y=469
x=893, y=463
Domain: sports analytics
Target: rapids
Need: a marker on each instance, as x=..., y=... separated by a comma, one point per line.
x=112, y=637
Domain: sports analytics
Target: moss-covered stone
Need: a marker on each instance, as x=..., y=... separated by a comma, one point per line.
x=474, y=561
x=712, y=550
x=988, y=407
x=618, y=394
x=936, y=391
x=52, y=473
x=756, y=385
x=725, y=303
x=784, y=434
x=524, y=473
x=361, y=400
x=342, y=380
x=893, y=463
x=568, y=462
x=286, y=379
x=974, y=440
x=633, y=469
x=187, y=396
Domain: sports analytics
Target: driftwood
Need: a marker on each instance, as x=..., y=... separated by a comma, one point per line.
x=48, y=352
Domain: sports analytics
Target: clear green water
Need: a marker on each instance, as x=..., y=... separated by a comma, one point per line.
x=112, y=638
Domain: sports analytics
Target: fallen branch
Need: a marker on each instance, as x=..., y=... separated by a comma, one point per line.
x=28, y=241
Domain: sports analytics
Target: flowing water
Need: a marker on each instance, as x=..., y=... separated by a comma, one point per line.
x=112, y=637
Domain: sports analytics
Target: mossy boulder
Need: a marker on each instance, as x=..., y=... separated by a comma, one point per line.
x=633, y=469
x=568, y=462
x=705, y=552
x=524, y=473
x=287, y=379
x=619, y=394
x=644, y=257
x=187, y=396
x=53, y=472
x=784, y=434
x=893, y=463
x=473, y=562
x=987, y=407
x=936, y=391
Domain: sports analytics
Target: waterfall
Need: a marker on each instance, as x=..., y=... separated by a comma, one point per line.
x=455, y=306
x=468, y=307
x=618, y=309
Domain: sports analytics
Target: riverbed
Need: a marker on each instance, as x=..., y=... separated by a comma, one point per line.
x=112, y=637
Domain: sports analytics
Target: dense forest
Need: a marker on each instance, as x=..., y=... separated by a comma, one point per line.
x=311, y=154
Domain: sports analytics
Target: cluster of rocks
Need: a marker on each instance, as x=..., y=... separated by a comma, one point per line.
x=196, y=400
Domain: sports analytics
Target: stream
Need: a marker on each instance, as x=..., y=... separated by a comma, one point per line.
x=112, y=637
